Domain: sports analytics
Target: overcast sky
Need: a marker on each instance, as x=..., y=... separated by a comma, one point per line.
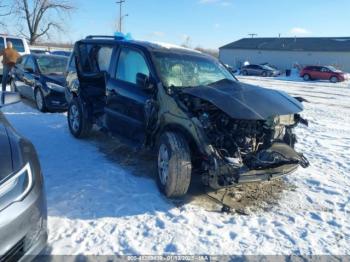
x=211, y=23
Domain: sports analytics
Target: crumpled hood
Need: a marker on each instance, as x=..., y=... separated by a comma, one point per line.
x=6, y=167
x=248, y=102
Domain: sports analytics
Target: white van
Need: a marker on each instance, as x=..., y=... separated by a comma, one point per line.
x=19, y=43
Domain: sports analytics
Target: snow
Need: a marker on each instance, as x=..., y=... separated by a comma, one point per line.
x=99, y=205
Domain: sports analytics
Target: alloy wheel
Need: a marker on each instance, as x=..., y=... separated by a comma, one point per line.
x=163, y=164
x=39, y=100
x=74, y=118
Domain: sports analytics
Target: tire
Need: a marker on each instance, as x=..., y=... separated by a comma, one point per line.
x=264, y=74
x=80, y=125
x=334, y=79
x=245, y=72
x=307, y=77
x=40, y=100
x=174, y=165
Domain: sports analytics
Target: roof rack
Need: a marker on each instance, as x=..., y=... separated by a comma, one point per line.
x=104, y=37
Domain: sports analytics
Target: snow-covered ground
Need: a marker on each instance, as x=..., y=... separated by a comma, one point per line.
x=98, y=205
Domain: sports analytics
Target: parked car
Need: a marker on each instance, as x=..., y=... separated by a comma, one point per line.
x=188, y=107
x=39, y=52
x=61, y=52
x=23, y=213
x=20, y=44
x=41, y=78
x=323, y=73
x=259, y=70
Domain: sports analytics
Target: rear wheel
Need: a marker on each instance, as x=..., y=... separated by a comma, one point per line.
x=307, y=77
x=334, y=79
x=40, y=100
x=174, y=165
x=245, y=72
x=80, y=125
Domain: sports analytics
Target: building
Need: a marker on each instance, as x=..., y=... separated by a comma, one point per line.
x=286, y=52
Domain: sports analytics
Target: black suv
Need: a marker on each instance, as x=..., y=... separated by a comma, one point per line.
x=188, y=107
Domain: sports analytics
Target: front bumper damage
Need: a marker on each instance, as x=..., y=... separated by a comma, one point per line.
x=225, y=173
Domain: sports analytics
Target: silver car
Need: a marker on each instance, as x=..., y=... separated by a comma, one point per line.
x=23, y=212
x=259, y=70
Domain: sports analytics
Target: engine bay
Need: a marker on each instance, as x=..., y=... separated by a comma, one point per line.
x=248, y=143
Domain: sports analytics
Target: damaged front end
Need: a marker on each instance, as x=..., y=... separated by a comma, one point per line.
x=245, y=148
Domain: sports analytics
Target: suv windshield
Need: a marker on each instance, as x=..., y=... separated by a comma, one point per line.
x=333, y=69
x=52, y=64
x=183, y=70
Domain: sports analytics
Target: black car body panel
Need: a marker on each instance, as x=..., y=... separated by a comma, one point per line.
x=243, y=101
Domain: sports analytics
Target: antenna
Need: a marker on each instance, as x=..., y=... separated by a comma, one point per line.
x=253, y=35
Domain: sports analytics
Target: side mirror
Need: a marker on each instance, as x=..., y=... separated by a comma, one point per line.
x=144, y=82
x=8, y=98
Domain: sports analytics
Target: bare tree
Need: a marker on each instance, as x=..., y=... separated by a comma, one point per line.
x=42, y=16
x=4, y=11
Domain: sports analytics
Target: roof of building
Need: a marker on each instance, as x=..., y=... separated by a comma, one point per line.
x=315, y=44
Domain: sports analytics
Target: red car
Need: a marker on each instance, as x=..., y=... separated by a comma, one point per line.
x=322, y=73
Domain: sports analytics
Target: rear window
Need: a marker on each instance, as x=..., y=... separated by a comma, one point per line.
x=18, y=44
x=2, y=43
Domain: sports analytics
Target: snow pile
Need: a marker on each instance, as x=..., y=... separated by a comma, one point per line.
x=97, y=205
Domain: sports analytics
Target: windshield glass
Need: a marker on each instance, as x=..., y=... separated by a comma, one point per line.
x=52, y=64
x=333, y=69
x=268, y=67
x=183, y=70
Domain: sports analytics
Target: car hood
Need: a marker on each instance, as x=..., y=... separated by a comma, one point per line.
x=248, y=102
x=6, y=165
x=58, y=79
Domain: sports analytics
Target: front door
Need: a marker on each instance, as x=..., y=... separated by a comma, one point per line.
x=125, y=99
x=29, y=76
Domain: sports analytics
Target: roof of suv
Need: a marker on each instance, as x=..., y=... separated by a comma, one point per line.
x=150, y=46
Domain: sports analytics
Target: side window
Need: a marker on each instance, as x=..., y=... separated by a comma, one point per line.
x=17, y=44
x=104, y=58
x=130, y=64
x=2, y=43
x=29, y=64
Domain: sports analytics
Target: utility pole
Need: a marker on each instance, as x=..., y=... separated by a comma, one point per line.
x=120, y=3
x=252, y=35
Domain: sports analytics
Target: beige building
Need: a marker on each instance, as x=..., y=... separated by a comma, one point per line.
x=286, y=52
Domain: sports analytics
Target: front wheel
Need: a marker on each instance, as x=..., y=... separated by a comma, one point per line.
x=40, y=100
x=80, y=125
x=334, y=79
x=174, y=165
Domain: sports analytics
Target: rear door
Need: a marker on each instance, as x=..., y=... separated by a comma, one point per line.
x=125, y=99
